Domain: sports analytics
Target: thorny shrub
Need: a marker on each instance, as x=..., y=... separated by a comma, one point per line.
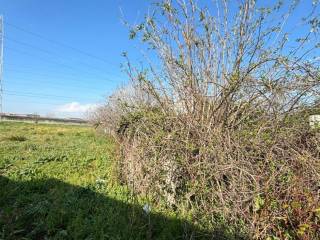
x=219, y=128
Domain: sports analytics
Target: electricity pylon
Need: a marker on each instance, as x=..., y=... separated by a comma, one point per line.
x=1, y=66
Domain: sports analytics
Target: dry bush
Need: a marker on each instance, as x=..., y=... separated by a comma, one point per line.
x=123, y=101
x=223, y=135
x=269, y=182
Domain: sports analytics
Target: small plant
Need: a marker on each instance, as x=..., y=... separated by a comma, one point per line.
x=17, y=138
x=51, y=158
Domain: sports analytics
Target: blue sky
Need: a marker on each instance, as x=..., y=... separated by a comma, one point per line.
x=46, y=77
x=61, y=57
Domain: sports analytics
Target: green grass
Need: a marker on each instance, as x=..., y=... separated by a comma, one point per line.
x=56, y=183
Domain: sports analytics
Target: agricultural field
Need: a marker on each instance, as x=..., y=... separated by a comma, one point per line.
x=56, y=183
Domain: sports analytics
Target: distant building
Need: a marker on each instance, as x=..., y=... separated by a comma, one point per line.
x=38, y=118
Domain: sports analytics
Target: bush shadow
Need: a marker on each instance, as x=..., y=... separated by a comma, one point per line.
x=52, y=209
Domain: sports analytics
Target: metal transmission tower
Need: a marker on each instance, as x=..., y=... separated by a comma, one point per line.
x=1, y=66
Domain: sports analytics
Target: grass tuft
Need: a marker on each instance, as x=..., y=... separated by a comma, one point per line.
x=17, y=138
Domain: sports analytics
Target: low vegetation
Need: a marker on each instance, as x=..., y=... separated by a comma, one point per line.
x=58, y=184
x=212, y=133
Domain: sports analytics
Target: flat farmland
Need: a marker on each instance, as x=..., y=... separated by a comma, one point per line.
x=56, y=183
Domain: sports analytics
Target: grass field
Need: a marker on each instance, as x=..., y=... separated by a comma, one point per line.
x=56, y=183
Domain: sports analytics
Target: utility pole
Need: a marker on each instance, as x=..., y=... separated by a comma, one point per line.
x=1, y=66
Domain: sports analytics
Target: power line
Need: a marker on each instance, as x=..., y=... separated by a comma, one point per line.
x=53, y=54
x=34, y=102
x=68, y=77
x=53, y=57
x=59, y=43
x=41, y=74
x=71, y=76
x=56, y=86
x=55, y=62
x=52, y=86
x=45, y=96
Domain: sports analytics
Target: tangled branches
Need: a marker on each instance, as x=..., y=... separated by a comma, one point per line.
x=219, y=129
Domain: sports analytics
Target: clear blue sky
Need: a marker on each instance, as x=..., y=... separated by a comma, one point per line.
x=76, y=60
x=41, y=76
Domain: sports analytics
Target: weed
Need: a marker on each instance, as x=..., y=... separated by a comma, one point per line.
x=63, y=189
x=51, y=158
x=17, y=138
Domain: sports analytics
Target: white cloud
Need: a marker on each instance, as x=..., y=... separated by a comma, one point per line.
x=75, y=107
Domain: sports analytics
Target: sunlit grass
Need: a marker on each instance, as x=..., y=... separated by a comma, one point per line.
x=57, y=183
